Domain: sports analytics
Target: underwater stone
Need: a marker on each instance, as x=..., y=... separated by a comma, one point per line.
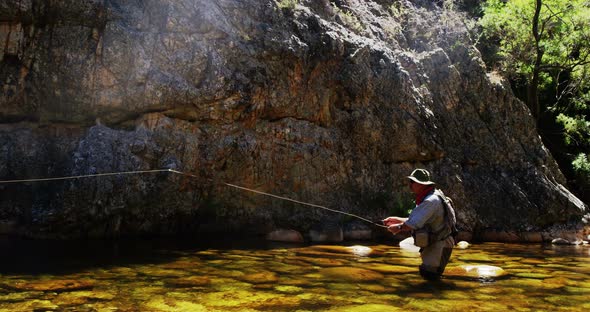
x=192, y=281
x=283, y=235
x=475, y=271
x=49, y=285
x=259, y=278
x=350, y=274
x=332, y=234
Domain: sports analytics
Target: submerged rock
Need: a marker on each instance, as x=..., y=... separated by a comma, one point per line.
x=57, y=285
x=475, y=271
x=563, y=241
x=191, y=281
x=260, y=278
x=357, y=231
x=350, y=274
x=326, y=233
x=283, y=235
x=79, y=298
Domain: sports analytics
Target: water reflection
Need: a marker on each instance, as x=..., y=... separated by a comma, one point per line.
x=231, y=275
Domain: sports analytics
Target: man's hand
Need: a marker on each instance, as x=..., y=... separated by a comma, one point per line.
x=396, y=228
x=393, y=220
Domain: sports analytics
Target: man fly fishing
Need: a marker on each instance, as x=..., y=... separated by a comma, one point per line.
x=432, y=223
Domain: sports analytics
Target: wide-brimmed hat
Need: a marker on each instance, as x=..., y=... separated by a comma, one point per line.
x=421, y=176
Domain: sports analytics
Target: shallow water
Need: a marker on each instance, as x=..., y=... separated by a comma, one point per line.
x=167, y=275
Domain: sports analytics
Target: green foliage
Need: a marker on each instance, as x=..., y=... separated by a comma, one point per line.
x=564, y=36
x=582, y=165
x=576, y=130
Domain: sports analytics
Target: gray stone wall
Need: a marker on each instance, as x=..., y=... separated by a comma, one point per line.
x=329, y=102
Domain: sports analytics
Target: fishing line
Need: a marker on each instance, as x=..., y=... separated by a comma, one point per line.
x=83, y=176
x=189, y=175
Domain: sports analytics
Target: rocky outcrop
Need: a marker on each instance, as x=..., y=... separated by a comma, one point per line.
x=329, y=102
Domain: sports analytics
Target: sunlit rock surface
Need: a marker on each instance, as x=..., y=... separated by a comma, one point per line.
x=408, y=245
x=475, y=271
x=329, y=102
x=463, y=245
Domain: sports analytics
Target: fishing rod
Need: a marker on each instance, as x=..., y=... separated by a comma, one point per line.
x=192, y=176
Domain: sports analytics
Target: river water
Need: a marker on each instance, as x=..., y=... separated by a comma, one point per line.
x=230, y=275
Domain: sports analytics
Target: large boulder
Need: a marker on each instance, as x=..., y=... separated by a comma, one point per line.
x=327, y=102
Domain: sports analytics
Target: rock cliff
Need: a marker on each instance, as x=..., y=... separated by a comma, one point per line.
x=328, y=102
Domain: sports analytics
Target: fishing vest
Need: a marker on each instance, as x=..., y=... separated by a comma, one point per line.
x=450, y=223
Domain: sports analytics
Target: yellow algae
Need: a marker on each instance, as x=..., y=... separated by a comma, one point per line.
x=322, y=261
x=456, y=294
x=190, y=281
x=566, y=300
x=20, y=296
x=230, y=273
x=350, y=274
x=58, y=285
x=289, y=289
x=470, y=257
x=253, y=300
x=533, y=261
x=297, y=281
x=31, y=305
x=320, y=299
x=161, y=304
x=365, y=308
x=530, y=282
x=260, y=277
x=436, y=305
x=81, y=297
x=180, y=264
x=231, y=286
x=269, y=287
x=532, y=275
x=342, y=286
x=391, y=269
x=570, y=275
x=577, y=290
x=160, y=272
x=493, y=290
x=583, y=284
x=552, y=266
x=145, y=292
x=288, y=268
x=376, y=288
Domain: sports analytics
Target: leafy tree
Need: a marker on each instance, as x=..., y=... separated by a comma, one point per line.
x=546, y=42
x=544, y=48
